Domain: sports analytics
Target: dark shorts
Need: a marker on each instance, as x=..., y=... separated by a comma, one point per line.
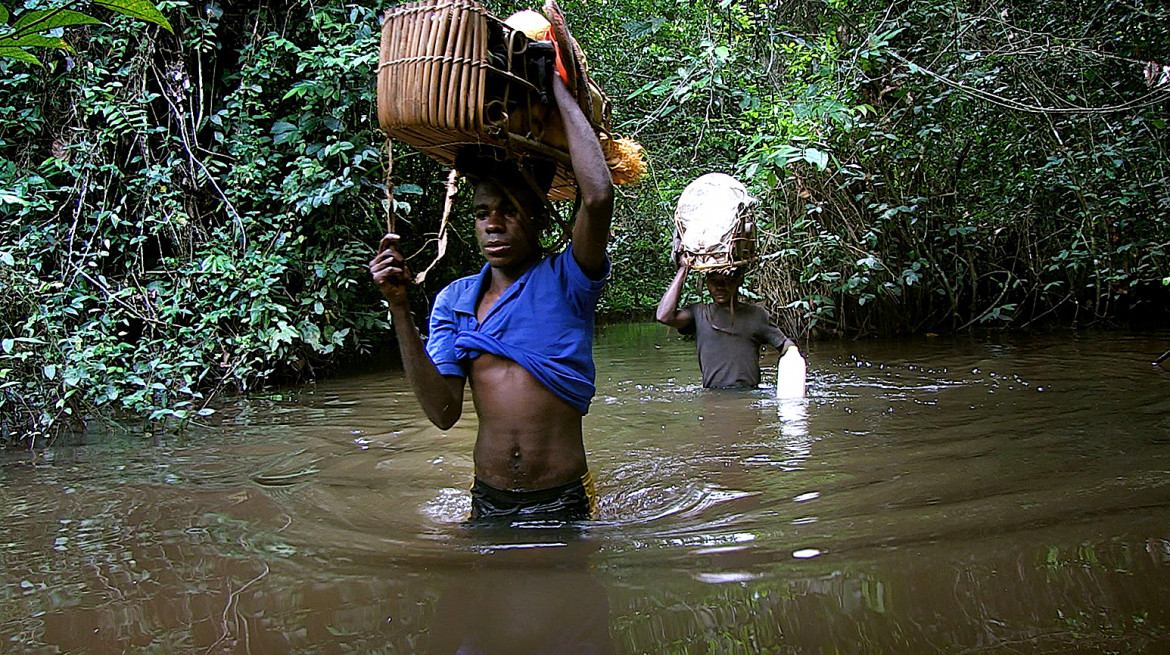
x=574, y=501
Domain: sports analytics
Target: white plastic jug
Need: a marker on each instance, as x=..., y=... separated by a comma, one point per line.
x=790, y=374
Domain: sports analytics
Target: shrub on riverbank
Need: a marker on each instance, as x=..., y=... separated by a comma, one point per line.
x=185, y=215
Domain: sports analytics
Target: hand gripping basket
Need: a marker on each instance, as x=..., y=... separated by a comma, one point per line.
x=713, y=224
x=452, y=76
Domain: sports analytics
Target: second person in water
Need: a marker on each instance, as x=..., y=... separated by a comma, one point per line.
x=728, y=332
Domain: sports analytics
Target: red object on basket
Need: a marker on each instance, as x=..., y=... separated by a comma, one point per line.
x=561, y=71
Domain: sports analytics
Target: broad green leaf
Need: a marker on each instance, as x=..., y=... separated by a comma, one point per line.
x=35, y=40
x=3, y=14
x=49, y=19
x=19, y=55
x=141, y=9
x=817, y=158
x=638, y=29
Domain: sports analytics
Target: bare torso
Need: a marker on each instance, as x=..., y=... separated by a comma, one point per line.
x=528, y=437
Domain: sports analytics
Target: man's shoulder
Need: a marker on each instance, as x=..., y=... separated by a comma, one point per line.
x=457, y=289
x=750, y=314
x=758, y=314
x=465, y=282
x=563, y=265
x=556, y=257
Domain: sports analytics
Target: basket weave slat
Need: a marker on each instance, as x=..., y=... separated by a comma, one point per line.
x=411, y=74
x=463, y=74
x=456, y=104
x=420, y=41
x=427, y=68
x=469, y=76
x=389, y=35
x=432, y=70
x=479, y=80
x=442, y=80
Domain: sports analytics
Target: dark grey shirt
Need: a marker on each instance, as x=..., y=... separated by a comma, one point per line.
x=729, y=349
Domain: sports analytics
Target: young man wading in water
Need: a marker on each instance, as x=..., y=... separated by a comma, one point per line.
x=521, y=331
x=728, y=333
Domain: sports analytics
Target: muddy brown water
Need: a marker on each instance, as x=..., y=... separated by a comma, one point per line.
x=1007, y=494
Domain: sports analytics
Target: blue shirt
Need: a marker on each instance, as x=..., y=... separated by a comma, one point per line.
x=543, y=322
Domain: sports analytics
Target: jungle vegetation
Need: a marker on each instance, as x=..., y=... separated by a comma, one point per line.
x=190, y=211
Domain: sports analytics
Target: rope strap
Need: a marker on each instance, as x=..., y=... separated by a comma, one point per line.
x=418, y=9
x=447, y=203
x=446, y=59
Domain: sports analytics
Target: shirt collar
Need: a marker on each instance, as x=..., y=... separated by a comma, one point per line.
x=466, y=304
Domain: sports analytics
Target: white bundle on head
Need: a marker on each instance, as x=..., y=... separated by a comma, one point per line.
x=710, y=224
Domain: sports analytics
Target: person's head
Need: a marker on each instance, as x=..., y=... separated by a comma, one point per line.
x=510, y=210
x=724, y=286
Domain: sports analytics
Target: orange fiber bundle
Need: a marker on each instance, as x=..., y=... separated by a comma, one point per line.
x=624, y=158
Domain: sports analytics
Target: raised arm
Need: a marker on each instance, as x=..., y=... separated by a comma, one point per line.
x=591, y=229
x=668, y=311
x=441, y=396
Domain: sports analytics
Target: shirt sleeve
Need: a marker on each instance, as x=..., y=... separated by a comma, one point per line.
x=769, y=333
x=581, y=290
x=690, y=329
x=441, y=337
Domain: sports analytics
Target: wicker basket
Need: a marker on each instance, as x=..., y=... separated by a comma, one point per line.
x=714, y=228
x=452, y=76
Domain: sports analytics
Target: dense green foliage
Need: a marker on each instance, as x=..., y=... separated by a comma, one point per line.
x=38, y=28
x=923, y=166
x=185, y=214
x=189, y=213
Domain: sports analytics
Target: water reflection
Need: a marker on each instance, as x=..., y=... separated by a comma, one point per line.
x=532, y=592
x=793, y=418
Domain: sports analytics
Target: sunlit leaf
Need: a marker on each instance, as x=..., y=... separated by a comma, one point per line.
x=19, y=55
x=818, y=158
x=35, y=40
x=50, y=19
x=140, y=9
